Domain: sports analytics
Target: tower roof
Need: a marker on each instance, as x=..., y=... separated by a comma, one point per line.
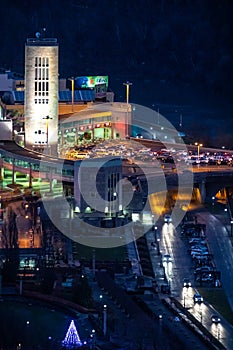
x=39, y=41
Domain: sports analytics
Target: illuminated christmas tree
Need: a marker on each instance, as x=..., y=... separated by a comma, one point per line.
x=72, y=339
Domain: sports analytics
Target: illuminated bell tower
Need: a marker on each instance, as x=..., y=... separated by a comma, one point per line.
x=41, y=94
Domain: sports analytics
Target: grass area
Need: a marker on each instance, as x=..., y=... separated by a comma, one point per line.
x=217, y=298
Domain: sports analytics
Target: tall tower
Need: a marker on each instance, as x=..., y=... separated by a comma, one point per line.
x=41, y=94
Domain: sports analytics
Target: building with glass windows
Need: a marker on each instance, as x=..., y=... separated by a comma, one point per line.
x=101, y=121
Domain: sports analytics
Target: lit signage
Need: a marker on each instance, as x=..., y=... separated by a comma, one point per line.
x=87, y=82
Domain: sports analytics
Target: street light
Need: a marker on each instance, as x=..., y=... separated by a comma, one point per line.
x=47, y=118
x=72, y=92
x=198, y=150
x=127, y=84
x=92, y=339
x=105, y=320
x=231, y=228
x=158, y=250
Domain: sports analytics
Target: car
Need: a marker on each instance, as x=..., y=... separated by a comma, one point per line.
x=167, y=218
x=167, y=258
x=187, y=283
x=197, y=298
x=205, y=278
x=198, y=248
x=195, y=240
x=215, y=319
x=199, y=253
x=203, y=269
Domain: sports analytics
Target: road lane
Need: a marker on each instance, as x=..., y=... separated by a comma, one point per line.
x=181, y=267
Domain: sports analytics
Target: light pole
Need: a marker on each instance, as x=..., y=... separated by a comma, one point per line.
x=72, y=92
x=105, y=320
x=158, y=249
x=47, y=118
x=231, y=228
x=201, y=313
x=92, y=339
x=198, y=150
x=127, y=84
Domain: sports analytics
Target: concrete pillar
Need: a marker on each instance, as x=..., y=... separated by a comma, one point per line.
x=1, y=169
x=50, y=180
x=13, y=171
x=30, y=175
x=93, y=262
x=202, y=188
x=1, y=173
x=20, y=286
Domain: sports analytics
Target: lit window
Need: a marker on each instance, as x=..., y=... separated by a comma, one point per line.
x=42, y=76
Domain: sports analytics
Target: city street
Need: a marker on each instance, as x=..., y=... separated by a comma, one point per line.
x=180, y=266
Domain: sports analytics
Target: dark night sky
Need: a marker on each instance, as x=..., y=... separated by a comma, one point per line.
x=175, y=52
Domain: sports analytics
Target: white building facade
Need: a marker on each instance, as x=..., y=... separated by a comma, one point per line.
x=41, y=94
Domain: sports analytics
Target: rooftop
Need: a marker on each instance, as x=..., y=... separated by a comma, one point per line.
x=38, y=41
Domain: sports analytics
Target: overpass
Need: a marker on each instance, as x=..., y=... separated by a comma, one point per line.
x=33, y=164
x=208, y=180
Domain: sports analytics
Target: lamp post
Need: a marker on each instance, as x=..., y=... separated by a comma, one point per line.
x=72, y=92
x=158, y=249
x=92, y=339
x=47, y=118
x=105, y=320
x=198, y=150
x=127, y=84
x=201, y=313
x=231, y=228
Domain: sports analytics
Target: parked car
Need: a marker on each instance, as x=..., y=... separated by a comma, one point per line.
x=204, y=268
x=197, y=240
x=197, y=298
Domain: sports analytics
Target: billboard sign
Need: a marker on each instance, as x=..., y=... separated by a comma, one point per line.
x=88, y=82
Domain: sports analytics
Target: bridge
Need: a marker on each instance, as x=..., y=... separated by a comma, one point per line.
x=208, y=180
x=33, y=164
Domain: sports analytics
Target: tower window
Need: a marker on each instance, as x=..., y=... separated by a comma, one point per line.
x=41, y=76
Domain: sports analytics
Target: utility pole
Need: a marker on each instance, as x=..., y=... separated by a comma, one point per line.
x=127, y=84
x=47, y=118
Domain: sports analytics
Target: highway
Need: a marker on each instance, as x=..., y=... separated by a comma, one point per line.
x=181, y=266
